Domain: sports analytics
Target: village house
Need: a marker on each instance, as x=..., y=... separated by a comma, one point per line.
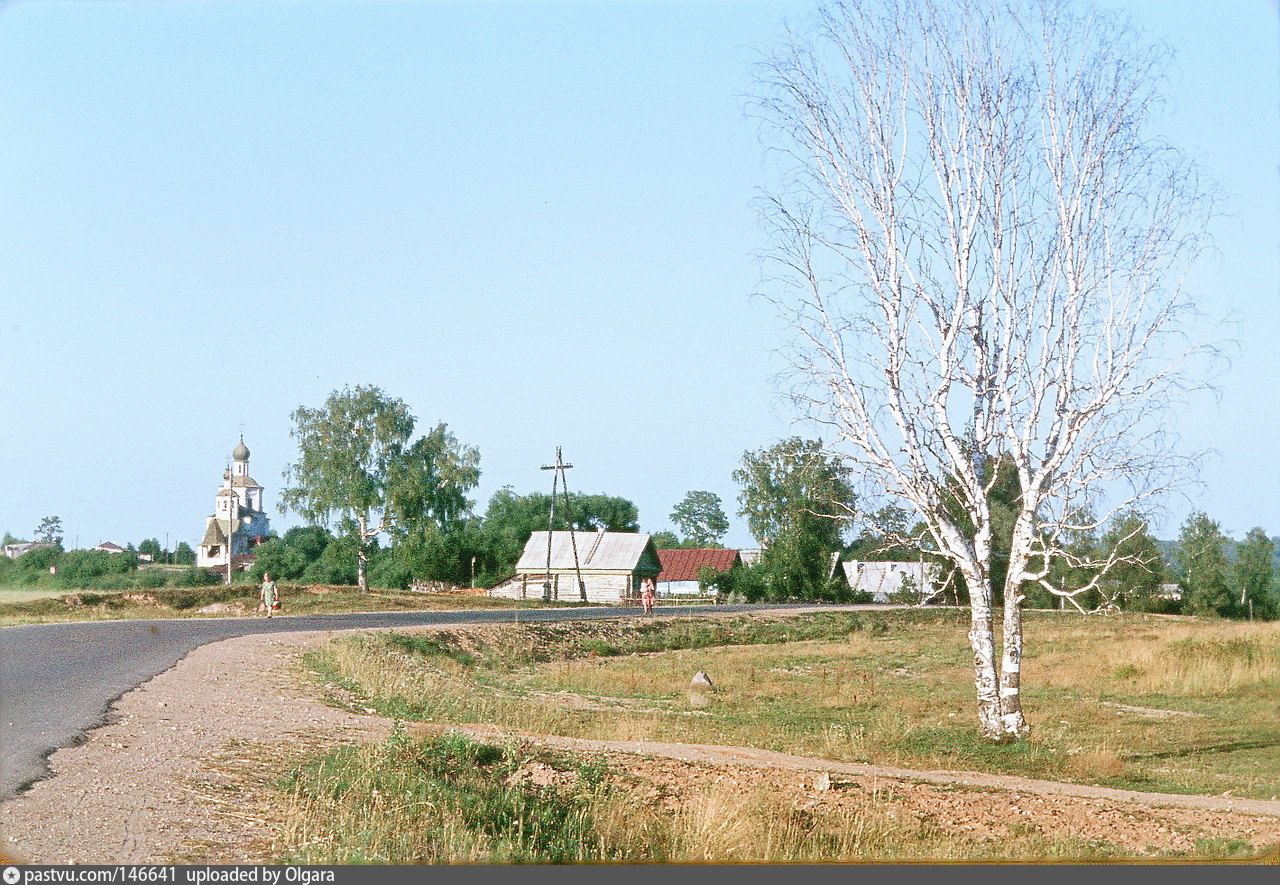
x=13, y=551
x=610, y=565
x=680, y=568
x=884, y=579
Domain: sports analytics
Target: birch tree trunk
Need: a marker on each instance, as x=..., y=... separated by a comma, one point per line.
x=362, y=554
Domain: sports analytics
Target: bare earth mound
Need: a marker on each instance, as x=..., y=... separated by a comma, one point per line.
x=182, y=774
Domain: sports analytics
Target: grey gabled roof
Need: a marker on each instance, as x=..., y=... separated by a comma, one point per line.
x=597, y=551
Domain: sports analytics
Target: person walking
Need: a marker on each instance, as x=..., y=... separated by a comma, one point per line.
x=270, y=595
x=647, y=595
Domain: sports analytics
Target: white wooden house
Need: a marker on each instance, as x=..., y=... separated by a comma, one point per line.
x=611, y=566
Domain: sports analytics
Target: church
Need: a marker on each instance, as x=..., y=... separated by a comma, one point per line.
x=238, y=519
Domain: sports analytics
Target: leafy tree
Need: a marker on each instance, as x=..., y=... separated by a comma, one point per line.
x=151, y=547
x=308, y=540
x=796, y=499
x=1254, y=577
x=40, y=559
x=1206, y=573
x=510, y=519
x=10, y=539
x=289, y=557
x=455, y=555
x=49, y=531
x=357, y=465
x=277, y=558
x=76, y=568
x=701, y=518
x=665, y=540
x=1136, y=567
x=183, y=554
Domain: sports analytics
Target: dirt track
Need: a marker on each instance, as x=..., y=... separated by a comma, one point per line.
x=166, y=780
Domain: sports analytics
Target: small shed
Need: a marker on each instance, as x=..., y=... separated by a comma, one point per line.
x=612, y=565
x=680, y=568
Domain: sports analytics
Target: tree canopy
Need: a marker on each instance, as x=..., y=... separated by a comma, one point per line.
x=357, y=465
x=700, y=517
x=797, y=501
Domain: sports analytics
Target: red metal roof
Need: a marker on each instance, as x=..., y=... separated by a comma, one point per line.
x=683, y=565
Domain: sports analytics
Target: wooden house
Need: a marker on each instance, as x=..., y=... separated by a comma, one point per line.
x=610, y=565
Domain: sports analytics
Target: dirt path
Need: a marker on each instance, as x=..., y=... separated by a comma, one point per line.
x=165, y=780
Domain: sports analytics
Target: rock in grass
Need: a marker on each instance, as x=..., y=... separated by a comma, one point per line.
x=701, y=681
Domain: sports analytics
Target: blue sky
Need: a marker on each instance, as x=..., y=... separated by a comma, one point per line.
x=532, y=221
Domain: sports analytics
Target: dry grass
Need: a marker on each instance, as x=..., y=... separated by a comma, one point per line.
x=1123, y=701
x=436, y=801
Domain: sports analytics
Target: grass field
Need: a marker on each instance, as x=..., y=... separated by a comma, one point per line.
x=19, y=606
x=1142, y=702
x=18, y=594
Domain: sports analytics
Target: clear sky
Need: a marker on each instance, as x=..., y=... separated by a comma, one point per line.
x=533, y=221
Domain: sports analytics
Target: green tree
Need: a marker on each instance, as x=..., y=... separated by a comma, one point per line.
x=151, y=547
x=277, y=558
x=1206, y=572
x=1254, y=577
x=183, y=554
x=1135, y=567
x=665, y=540
x=701, y=519
x=510, y=519
x=796, y=499
x=308, y=540
x=357, y=465
x=40, y=559
x=49, y=531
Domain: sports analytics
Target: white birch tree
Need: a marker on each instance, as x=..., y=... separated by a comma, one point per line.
x=983, y=252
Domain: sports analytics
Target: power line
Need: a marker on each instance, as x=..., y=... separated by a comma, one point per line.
x=558, y=476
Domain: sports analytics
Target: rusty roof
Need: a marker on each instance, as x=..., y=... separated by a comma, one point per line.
x=684, y=565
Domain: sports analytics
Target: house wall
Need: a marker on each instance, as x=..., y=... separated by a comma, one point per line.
x=602, y=588
x=678, y=588
x=881, y=579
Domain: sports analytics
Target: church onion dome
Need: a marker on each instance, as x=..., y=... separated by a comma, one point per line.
x=241, y=451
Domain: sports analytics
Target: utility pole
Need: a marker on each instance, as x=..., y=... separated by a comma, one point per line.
x=560, y=467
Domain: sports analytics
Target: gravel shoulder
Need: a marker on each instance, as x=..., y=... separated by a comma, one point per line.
x=180, y=773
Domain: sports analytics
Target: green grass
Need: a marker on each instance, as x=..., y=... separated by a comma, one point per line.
x=443, y=800
x=21, y=594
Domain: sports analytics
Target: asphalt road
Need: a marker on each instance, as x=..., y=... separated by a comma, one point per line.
x=58, y=681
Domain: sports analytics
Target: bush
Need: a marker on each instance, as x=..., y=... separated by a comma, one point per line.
x=150, y=579
x=194, y=577
x=279, y=559
x=1155, y=605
